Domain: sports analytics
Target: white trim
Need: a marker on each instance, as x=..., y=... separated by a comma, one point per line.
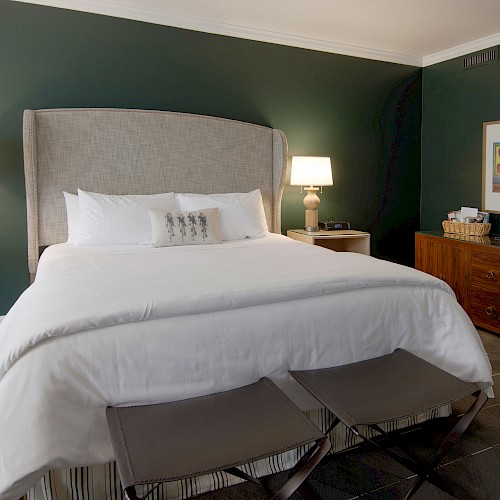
x=462, y=50
x=219, y=28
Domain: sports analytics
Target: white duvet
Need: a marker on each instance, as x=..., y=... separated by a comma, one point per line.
x=132, y=325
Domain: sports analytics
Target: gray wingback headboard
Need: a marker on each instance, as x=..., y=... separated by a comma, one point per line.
x=129, y=151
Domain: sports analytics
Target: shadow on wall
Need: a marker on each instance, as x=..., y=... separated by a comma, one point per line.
x=12, y=225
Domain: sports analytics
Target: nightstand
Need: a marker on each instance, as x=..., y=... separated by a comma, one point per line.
x=341, y=241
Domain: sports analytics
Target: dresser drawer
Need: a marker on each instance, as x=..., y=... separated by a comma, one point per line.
x=485, y=308
x=485, y=270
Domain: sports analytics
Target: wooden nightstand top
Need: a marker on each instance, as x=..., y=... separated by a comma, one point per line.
x=341, y=240
x=338, y=233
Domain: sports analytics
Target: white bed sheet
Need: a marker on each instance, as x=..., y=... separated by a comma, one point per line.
x=57, y=380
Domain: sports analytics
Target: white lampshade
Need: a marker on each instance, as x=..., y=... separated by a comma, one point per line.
x=311, y=171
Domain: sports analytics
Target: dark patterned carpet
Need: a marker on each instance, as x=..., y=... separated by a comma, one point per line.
x=473, y=466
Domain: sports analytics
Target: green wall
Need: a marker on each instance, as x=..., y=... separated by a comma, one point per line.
x=365, y=114
x=456, y=102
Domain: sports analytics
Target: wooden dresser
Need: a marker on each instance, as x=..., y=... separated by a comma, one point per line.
x=471, y=267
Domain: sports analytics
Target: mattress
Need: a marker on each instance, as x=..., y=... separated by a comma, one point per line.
x=125, y=325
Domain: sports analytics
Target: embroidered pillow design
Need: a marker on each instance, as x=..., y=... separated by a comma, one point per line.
x=192, y=227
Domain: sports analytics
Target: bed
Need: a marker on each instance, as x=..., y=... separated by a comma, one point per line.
x=121, y=324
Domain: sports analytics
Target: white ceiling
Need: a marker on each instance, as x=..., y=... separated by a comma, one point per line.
x=414, y=32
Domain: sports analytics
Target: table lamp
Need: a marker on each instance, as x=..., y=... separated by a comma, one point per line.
x=309, y=172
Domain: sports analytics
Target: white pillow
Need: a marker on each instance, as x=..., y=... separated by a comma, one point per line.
x=119, y=220
x=241, y=214
x=72, y=215
x=195, y=227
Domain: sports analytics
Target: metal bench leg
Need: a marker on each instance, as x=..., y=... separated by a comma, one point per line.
x=303, y=468
x=297, y=474
x=449, y=442
x=131, y=494
x=426, y=471
x=243, y=475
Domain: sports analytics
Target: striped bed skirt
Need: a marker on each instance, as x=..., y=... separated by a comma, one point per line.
x=102, y=482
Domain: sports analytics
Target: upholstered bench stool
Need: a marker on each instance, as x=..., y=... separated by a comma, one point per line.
x=219, y=432
x=365, y=394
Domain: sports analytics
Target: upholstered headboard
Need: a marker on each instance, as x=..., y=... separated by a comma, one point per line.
x=128, y=151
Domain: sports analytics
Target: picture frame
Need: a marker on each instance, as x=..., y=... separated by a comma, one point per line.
x=491, y=167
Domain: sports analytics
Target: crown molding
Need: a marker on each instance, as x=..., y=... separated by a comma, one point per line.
x=112, y=9
x=219, y=28
x=462, y=50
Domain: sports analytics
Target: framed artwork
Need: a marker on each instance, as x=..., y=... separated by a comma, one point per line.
x=491, y=167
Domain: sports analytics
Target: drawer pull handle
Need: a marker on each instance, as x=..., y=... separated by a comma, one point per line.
x=490, y=311
x=490, y=275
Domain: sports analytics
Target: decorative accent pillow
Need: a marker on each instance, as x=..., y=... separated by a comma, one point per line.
x=119, y=220
x=242, y=215
x=193, y=227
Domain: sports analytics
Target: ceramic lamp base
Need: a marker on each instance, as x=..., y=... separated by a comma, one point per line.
x=311, y=221
x=311, y=202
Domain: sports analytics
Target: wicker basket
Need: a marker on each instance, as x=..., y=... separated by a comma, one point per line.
x=468, y=237
x=468, y=228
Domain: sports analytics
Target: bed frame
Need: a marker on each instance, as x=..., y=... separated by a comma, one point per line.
x=120, y=151
x=131, y=151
